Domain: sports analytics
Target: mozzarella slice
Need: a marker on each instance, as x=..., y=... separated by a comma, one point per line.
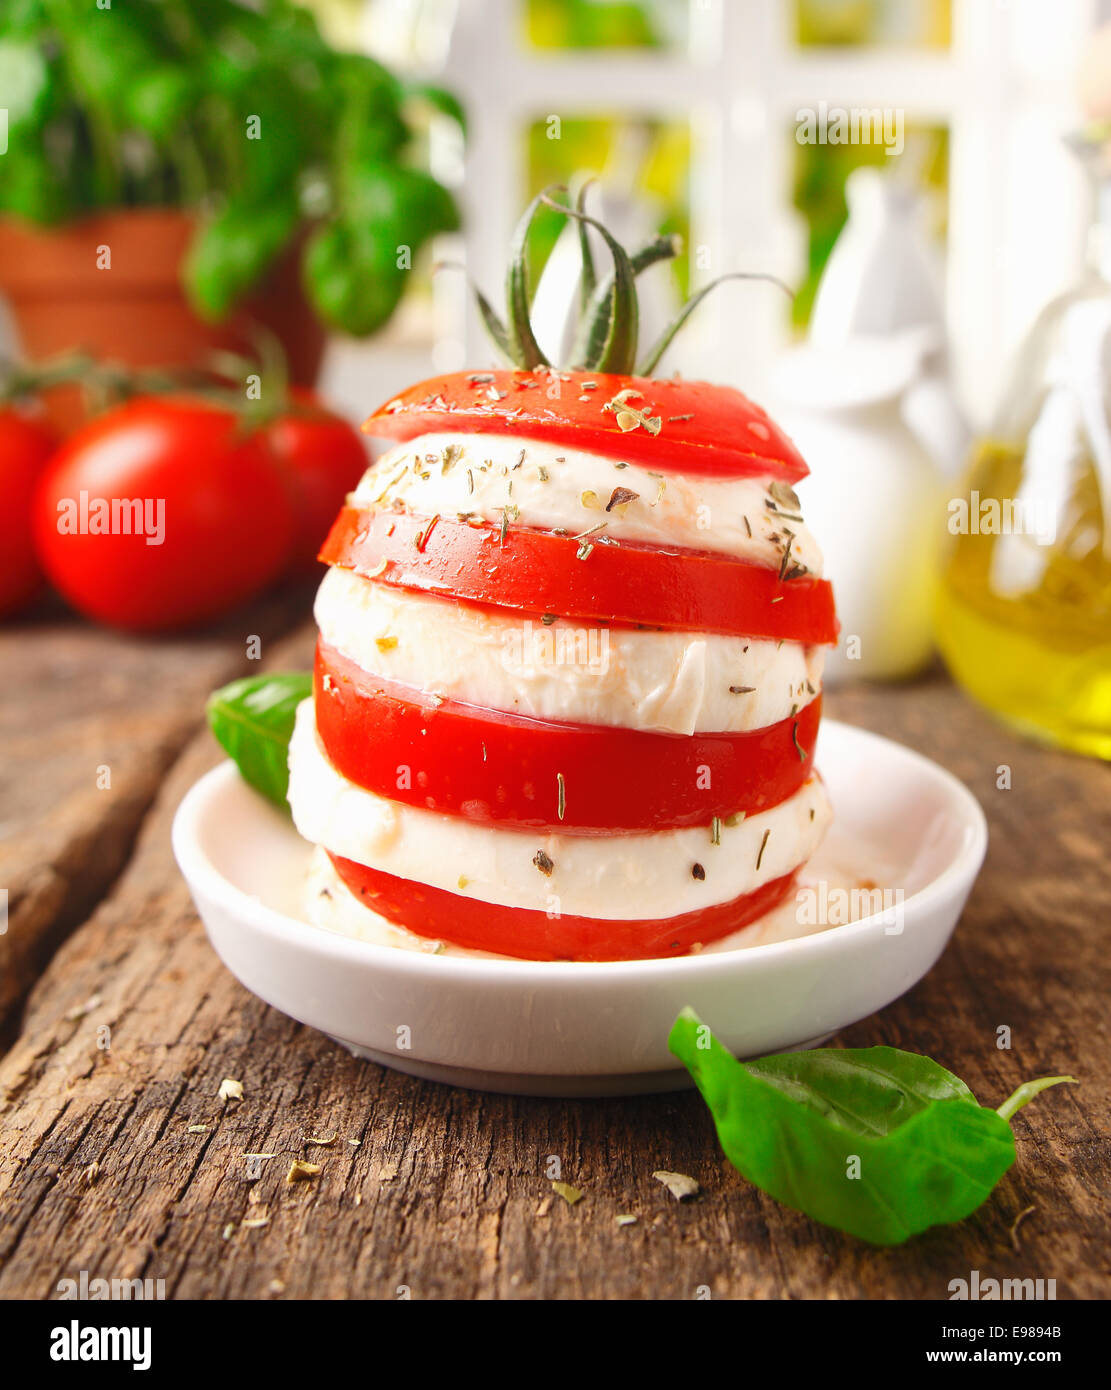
x=678, y=682
x=547, y=485
x=619, y=877
x=826, y=878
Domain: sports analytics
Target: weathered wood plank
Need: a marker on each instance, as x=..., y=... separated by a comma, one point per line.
x=445, y=1192
x=89, y=722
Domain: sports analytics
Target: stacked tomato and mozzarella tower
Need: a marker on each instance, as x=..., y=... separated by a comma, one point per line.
x=567, y=685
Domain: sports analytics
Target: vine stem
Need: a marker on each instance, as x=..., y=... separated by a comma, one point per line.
x=1028, y=1090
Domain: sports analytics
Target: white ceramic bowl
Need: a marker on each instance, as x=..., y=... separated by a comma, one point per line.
x=562, y=1028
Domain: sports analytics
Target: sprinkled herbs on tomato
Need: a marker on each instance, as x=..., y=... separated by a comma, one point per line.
x=519, y=772
x=580, y=576
x=534, y=935
x=672, y=425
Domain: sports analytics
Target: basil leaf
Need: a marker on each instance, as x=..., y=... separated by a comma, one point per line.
x=869, y=1090
x=252, y=720
x=159, y=99
x=30, y=190
x=877, y=1142
x=442, y=102
x=368, y=122
x=233, y=250
x=355, y=268
x=24, y=80
x=402, y=206
x=352, y=276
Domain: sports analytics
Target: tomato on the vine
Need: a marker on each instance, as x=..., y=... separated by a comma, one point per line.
x=324, y=457
x=163, y=513
x=25, y=446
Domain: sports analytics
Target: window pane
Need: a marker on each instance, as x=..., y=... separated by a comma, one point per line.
x=643, y=166
x=819, y=191
x=605, y=23
x=919, y=23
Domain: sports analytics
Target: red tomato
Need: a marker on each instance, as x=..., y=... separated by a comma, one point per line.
x=508, y=770
x=533, y=935
x=324, y=457
x=25, y=446
x=712, y=431
x=162, y=514
x=540, y=572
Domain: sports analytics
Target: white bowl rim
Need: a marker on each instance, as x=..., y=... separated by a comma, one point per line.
x=197, y=868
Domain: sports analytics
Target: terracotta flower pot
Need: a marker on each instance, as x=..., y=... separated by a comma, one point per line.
x=136, y=312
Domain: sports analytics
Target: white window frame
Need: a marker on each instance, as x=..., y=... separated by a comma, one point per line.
x=1018, y=207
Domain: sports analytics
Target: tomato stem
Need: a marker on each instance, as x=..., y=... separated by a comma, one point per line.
x=524, y=349
x=19, y=382
x=649, y=364
x=223, y=381
x=606, y=336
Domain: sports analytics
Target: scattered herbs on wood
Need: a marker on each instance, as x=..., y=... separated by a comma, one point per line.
x=680, y=1185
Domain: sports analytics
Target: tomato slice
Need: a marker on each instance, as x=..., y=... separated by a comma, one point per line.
x=508, y=769
x=532, y=935
x=704, y=430
x=539, y=572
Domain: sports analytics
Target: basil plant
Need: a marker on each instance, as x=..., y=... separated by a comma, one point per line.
x=240, y=113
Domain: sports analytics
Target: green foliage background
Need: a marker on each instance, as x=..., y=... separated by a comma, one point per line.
x=243, y=116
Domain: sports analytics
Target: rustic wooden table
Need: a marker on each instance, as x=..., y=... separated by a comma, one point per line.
x=118, y=1158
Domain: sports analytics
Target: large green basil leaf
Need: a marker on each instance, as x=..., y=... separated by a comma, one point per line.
x=252, y=720
x=406, y=206
x=234, y=250
x=369, y=124
x=877, y=1142
x=356, y=264
x=352, y=276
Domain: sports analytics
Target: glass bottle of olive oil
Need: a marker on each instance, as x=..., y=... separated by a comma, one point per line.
x=1024, y=603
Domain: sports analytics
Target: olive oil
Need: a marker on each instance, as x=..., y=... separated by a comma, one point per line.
x=1024, y=601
